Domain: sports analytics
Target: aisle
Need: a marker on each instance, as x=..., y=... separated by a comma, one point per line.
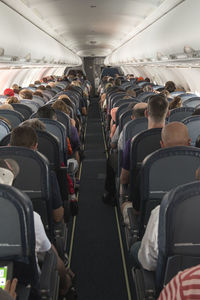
x=96, y=255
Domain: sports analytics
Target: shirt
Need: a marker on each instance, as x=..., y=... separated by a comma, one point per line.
x=184, y=286
x=148, y=252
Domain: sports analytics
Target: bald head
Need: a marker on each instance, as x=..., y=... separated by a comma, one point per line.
x=138, y=110
x=175, y=134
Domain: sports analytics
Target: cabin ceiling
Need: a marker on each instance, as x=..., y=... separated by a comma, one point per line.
x=87, y=27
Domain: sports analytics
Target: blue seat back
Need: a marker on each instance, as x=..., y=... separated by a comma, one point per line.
x=192, y=102
x=13, y=116
x=178, y=236
x=193, y=125
x=4, y=129
x=124, y=118
x=25, y=110
x=31, y=103
x=163, y=170
x=180, y=113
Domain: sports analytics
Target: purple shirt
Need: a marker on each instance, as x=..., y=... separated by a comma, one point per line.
x=126, y=156
x=74, y=139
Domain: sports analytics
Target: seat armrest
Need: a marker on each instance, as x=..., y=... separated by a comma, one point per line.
x=145, y=284
x=49, y=274
x=23, y=292
x=133, y=221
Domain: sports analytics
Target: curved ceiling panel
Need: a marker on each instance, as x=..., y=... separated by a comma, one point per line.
x=89, y=27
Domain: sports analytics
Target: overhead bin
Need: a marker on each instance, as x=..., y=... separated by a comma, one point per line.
x=22, y=42
x=170, y=33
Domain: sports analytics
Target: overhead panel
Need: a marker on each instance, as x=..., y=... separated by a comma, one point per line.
x=89, y=27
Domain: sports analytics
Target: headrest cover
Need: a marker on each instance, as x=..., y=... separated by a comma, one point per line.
x=6, y=176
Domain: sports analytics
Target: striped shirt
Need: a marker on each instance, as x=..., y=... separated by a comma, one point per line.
x=184, y=286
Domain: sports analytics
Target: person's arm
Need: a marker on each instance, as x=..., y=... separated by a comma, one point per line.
x=148, y=252
x=124, y=177
x=125, y=171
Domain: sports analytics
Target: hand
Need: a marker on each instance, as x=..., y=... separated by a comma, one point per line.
x=11, y=287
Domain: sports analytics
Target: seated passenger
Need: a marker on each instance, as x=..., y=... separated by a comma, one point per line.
x=42, y=243
x=175, y=103
x=6, y=106
x=9, y=292
x=146, y=251
x=12, y=99
x=170, y=86
x=156, y=112
x=25, y=136
x=8, y=92
x=26, y=94
x=185, y=285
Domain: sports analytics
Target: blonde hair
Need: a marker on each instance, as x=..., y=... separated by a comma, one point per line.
x=12, y=99
x=6, y=106
x=60, y=105
x=25, y=94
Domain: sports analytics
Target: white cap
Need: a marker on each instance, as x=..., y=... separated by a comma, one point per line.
x=6, y=176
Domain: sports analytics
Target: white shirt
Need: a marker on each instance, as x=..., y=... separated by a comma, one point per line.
x=148, y=252
x=42, y=243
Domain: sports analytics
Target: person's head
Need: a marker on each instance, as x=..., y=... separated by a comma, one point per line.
x=24, y=136
x=12, y=99
x=138, y=110
x=196, y=112
x=147, y=88
x=35, y=124
x=8, y=92
x=15, y=86
x=175, y=103
x=60, y=105
x=170, y=86
x=38, y=93
x=25, y=94
x=175, y=134
x=131, y=93
x=157, y=110
x=6, y=106
x=47, y=112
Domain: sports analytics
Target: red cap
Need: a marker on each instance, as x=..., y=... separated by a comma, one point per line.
x=8, y=92
x=140, y=78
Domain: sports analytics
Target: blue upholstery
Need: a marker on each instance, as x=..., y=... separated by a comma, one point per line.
x=25, y=110
x=193, y=125
x=178, y=235
x=31, y=103
x=192, y=102
x=180, y=113
x=124, y=118
x=4, y=129
x=163, y=170
x=13, y=116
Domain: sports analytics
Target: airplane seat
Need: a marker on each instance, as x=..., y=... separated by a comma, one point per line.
x=193, y=125
x=191, y=102
x=122, y=101
x=161, y=171
x=49, y=146
x=178, y=240
x=65, y=120
x=17, y=249
x=131, y=129
x=116, y=97
x=31, y=103
x=141, y=97
x=180, y=113
x=4, y=129
x=13, y=116
x=59, y=130
x=177, y=93
x=186, y=96
x=25, y=110
x=124, y=118
x=38, y=99
x=122, y=108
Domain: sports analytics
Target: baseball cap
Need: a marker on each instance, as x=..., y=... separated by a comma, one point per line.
x=8, y=92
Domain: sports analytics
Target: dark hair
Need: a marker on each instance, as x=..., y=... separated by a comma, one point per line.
x=196, y=113
x=46, y=112
x=23, y=136
x=170, y=86
x=157, y=107
x=25, y=94
x=176, y=102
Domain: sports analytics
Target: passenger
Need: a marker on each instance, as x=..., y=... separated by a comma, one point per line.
x=175, y=103
x=25, y=136
x=170, y=86
x=26, y=94
x=156, y=112
x=60, y=105
x=38, y=93
x=185, y=285
x=6, y=106
x=12, y=99
x=146, y=251
x=137, y=112
x=42, y=243
x=8, y=92
x=110, y=190
x=35, y=124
